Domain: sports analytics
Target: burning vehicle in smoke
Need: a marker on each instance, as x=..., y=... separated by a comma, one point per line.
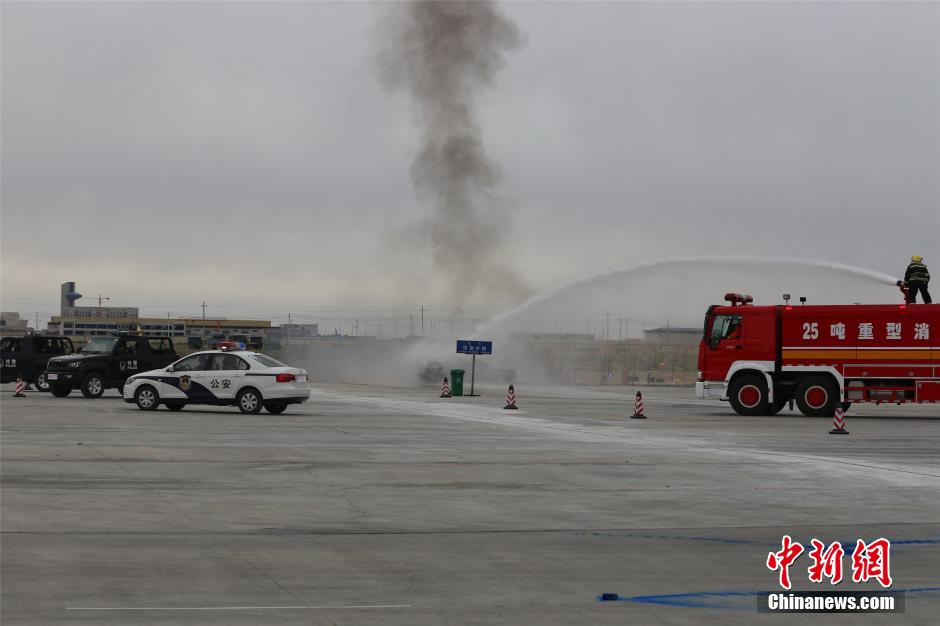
x=434, y=372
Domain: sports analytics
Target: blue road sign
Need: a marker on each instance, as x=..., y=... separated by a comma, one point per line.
x=465, y=346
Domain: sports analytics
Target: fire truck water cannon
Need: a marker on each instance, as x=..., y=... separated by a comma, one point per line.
x=903, y=289
x=737, y=299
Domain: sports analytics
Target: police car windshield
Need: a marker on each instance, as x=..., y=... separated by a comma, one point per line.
x=267, y=361
x=99, y=345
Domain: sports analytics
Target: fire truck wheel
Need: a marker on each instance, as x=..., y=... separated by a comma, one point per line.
x=748, y=395
x=817, y=396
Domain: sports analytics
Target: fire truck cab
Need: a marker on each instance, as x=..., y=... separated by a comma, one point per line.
x=759, y=358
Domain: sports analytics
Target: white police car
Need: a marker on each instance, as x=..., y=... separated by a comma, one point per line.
x=248, y=380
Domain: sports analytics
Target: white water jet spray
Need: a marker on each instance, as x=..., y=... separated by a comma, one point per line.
x=649, y=294
x=765, y=277
x=623, y=303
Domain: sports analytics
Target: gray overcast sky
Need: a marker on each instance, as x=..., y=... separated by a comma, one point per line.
x=248, y=153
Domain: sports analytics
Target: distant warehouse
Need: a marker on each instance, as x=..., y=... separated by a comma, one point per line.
x=673, y=336
x=175, y=327
x=91, y=321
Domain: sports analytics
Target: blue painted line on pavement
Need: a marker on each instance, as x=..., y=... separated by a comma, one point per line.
x=729, y=600
x=673, y=537
x=848, y=546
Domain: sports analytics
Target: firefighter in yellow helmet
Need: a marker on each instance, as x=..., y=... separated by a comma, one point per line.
x=917, y=278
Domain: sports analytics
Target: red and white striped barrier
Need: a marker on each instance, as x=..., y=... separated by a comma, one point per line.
x=20, y=388
x=511, y=399
x=638, y=407
x=838, y=423
x=445, y=390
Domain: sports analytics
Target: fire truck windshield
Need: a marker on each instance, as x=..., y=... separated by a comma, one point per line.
x=725, y=327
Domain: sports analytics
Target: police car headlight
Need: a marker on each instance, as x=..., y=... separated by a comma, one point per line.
x=74, y=364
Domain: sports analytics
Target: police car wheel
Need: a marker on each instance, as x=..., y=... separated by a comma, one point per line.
x=817, y=396
x=275, y=408
x=92, y=386
x=146, y=398
x=748, y=395
x=175, y=406
x=249, y=401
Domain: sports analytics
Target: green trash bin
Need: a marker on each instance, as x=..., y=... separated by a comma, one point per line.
x=456, y=382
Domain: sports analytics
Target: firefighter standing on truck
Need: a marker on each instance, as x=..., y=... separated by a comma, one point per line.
x=916, y=278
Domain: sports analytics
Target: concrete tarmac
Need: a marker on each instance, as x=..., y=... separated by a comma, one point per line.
x=371, y=505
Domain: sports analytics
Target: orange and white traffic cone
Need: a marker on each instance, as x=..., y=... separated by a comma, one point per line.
x=838, y=423
x=638, y=407
x=445, y=390
x=20, y=388
x=511, y=398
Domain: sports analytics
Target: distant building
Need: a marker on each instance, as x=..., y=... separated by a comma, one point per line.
x=673, y=335
x=175, y=327
x=300, y=330
x=12, y=324
x=90, y=321
x=578, y=337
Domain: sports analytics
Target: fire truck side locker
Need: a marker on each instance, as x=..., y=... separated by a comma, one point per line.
x=928, y=391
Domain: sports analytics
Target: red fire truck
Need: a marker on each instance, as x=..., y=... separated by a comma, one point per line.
x=759, y=358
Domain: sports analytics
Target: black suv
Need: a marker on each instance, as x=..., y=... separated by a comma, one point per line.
x=106, y=362
x=25, y=357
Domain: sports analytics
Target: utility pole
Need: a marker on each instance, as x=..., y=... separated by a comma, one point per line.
x=422, y=320
x=411, y=325
x=624, y=379
x=100, y=298
x=205, y=344
x=607, y=331
x=288, y=325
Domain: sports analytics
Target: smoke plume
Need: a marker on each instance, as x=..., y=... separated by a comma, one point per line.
x=443, y=55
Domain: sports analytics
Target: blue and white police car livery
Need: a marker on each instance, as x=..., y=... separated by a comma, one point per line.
x=248, y=380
